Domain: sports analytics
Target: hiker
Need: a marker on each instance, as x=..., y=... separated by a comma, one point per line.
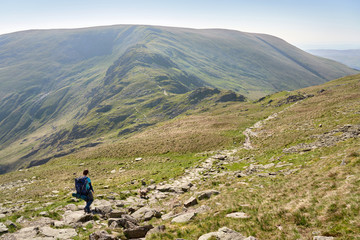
x=89, y=190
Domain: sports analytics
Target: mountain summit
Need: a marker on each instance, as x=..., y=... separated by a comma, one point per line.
x=60, y=87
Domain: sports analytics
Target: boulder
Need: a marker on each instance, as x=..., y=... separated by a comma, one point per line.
x=207, y=194
x=137, y=232
x=103, y=210
x=190, y=202
x=183, y=218
x=146, y=214
x=71, y=217
x=102, y=235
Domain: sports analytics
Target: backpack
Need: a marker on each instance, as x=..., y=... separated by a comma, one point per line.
x=80, y=185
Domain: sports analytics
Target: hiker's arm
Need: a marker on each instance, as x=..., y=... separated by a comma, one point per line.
x=91, y=188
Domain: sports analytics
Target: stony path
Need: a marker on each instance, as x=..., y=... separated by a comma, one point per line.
x=251, y=131
x=140, y=210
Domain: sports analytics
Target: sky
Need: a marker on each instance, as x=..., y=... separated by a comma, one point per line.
x=307, y=24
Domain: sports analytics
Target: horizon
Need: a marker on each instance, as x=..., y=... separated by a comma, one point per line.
x=307, y=24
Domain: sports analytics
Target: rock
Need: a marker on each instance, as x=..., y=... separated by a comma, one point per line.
x=202, y=209
x=186, y=186
x=168, y=216
x=157, y=229
x=225, y=234
x=115, y=214
x=58, y=224
x=121, y=222
x=103, y=210
x=20, y=219
x=71, y=207
x=238, y=215
x=138, y=159
x=57, y=233
x=113, y=171
x=146, y=214
x=102, y=235
x=71, y=217
x=2, y=215
x=3, y=228
x=207, y=194
x=44, y=213
x=165, y=188
x=55, y=192
x=183, y=218
x=220, y=157
x=23, y=234
x=137, y=232
x=9, y=223
x=322, y=238
x=190, y=202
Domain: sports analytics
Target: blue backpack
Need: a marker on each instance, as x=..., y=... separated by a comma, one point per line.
x=80, y=185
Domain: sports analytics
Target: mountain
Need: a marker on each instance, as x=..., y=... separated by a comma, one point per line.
x=350, y=57
x=283, y=167
x=64, y=90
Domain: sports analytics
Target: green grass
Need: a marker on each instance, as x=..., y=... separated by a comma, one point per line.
x=321, y=196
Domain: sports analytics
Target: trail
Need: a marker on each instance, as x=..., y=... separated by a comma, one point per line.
x=250, y=131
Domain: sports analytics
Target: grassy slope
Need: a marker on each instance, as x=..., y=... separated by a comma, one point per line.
x=321, y=195
x=55, y=86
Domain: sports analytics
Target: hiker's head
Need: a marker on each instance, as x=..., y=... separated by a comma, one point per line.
x=85, y=172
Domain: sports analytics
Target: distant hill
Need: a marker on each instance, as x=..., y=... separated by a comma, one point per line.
x=349, y=57
x=61, y=90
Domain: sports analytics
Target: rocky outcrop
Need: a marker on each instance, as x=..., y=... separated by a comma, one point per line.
x=327, y=139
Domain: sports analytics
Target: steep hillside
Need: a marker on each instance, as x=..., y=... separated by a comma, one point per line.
x=288, y=168
x=349, y=57
x=62, y=90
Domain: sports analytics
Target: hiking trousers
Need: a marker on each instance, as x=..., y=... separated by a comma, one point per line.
x=89, y=201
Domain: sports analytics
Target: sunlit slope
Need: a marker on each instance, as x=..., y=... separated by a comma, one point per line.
x=63, y=89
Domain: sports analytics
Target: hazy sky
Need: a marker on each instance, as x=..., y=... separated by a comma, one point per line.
x=304, y=23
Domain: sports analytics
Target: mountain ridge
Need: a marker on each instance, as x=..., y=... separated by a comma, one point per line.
x=81, y=84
